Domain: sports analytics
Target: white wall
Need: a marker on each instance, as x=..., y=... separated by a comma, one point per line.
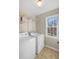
x=27, y=25
x=41, y=27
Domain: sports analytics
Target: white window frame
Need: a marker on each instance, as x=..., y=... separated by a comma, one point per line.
x=56, y=26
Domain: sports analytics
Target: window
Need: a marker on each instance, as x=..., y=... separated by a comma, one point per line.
x=52, y=25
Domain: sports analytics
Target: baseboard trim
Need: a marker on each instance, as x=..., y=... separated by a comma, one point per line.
x=52, y=48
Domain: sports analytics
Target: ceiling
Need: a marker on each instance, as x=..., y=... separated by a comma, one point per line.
x=29, y=7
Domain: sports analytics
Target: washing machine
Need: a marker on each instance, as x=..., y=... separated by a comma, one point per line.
x=39, y=41
x=27, y=46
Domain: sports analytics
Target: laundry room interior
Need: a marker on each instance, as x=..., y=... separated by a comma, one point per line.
x=38, y=29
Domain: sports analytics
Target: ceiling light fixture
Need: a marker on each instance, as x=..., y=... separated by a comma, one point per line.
x=39, y=2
